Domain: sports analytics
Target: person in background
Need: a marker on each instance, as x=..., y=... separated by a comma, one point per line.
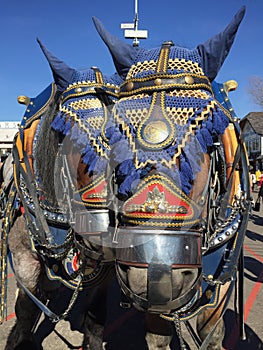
x=260, y=180
x=253, y=181
x=257, y=205
x=260, y=195
x=258, y=175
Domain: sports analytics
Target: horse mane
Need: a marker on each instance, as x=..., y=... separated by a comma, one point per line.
x=46, y=152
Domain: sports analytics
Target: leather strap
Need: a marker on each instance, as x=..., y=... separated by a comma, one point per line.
x=164, y=81
x=44, y=308
x=89, y=88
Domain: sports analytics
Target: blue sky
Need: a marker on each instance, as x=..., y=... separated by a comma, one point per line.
x=66, y=29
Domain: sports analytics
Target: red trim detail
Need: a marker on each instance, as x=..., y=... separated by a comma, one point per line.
x=75, y=264
x=95, y=193
x=172, y=198
x=22, y=209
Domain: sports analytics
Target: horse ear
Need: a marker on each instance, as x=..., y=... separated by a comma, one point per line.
x=123, y=54
x=61, y=72
x=215, y=50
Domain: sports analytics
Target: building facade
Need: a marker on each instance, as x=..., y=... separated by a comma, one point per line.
x=252, y=128
x=7, y=132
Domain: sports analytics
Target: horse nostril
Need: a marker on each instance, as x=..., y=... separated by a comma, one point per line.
x=190, y=276
x=183, y=280
x=189, y=272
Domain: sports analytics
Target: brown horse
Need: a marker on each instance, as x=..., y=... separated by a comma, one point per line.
x=141, y=174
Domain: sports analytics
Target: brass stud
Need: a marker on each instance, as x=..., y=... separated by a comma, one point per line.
x=23, y=100
x=209, y=294
x=55, y=268
x=230, y=85
x=189, y=80
x=158, y=81
x=129, y=86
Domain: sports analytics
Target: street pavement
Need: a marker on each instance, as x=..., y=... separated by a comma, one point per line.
x=64, y=338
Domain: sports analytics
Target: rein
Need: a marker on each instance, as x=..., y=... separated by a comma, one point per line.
x=41, y=230
x=234, y=261
x=52, y=316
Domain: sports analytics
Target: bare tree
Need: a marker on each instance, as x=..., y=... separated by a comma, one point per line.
x=255, y=89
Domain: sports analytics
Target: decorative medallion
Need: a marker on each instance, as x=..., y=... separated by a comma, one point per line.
x=156, y=132
x=71, y=262
x=158, y=202
x=67, y=271
x=95, y=194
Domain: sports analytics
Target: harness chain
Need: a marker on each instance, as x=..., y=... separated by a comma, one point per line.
x=67, y=185
x=177, y=326
x=6, y=224
x=34, y=230
x=52, y=316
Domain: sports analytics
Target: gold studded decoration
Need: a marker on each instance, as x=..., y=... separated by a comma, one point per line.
x=189, y=79
x=129, y=86
x=158, y=81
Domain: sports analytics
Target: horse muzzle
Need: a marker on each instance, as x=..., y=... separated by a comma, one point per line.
x=160, y=271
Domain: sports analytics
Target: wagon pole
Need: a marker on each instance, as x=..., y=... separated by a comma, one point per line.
x=131, y=30
x=136, y=21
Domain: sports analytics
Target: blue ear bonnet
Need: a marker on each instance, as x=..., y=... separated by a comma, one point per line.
x=89, y=74
x=212, y=53
x=190, y=117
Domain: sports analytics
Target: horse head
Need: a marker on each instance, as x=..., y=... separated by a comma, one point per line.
x=71, y=168
x=167, y=137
